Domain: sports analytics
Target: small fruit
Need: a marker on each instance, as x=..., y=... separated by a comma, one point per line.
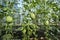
x=47, y=22
x=24, y=31
x=5, y=9
x=32, y=15
x=9, y=19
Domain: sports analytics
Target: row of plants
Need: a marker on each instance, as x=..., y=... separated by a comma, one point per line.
x=35, y=20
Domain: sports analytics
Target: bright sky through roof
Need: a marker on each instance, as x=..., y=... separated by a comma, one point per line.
x=20, y=5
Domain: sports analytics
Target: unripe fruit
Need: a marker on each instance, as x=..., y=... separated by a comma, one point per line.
x=32, y=15
x=9, y=19
x=5, y=9
x=47, y=22
x=24, y=31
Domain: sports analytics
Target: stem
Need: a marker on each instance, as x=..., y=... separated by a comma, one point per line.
x=6, y=28
x=28, y=30
x=45, y=5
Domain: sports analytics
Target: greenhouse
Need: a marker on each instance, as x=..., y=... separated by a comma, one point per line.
x=29, y=19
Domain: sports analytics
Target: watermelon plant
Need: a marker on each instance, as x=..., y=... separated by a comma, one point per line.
x=29, y=19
